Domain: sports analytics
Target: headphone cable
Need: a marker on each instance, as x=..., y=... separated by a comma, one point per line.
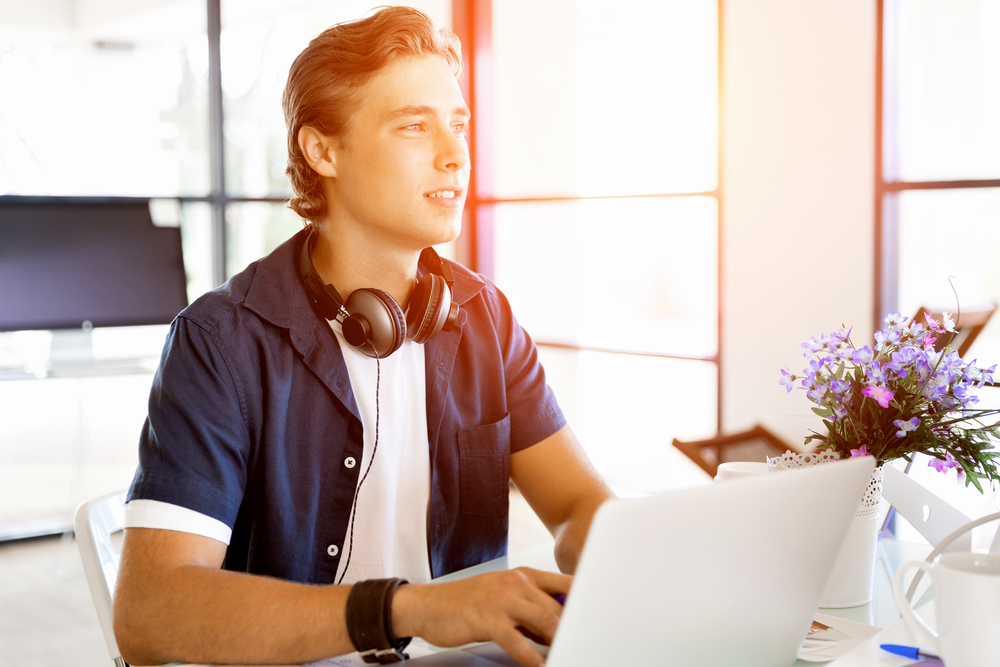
x=354, y=510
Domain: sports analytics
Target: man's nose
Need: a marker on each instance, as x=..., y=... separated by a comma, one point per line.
x=452, y=151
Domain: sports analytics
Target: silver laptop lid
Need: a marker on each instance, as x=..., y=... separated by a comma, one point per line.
x=723, y=574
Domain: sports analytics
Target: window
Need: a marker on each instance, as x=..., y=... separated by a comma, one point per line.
x=595, y=208
x=938, y=177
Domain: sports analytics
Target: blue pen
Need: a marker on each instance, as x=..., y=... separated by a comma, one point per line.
x=908, y=652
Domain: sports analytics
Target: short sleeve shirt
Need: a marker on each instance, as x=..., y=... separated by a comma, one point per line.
x=252, y=421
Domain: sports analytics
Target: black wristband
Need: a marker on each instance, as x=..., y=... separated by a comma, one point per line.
x=369, y=621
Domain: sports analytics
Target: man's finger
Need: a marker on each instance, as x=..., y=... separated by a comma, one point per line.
x=518, y=647
x=541, y=620
x=550, y=582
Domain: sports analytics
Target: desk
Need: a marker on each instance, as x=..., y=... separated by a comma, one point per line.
x=67, y=436
x=881, y=611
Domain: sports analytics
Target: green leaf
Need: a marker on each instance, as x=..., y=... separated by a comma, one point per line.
x=824, y=412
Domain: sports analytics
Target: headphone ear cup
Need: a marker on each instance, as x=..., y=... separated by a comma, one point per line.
x=427, y=312
x=386, y=324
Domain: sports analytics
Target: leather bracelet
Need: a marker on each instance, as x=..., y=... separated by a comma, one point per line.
x=369, y=621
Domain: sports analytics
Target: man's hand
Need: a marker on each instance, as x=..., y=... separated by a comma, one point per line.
x=488, y=607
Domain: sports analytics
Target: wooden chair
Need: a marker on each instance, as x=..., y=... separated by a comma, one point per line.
x=970, y=325
x=757, y=444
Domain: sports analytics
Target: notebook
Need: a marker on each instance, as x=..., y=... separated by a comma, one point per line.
x=725, y=574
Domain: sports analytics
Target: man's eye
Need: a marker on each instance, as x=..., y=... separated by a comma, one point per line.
x=415, y=126
x=460, y=128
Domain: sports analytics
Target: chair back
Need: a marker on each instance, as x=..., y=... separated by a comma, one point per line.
x=969, y=325
x=757, y=444
x=932, y=517
x=95, y=522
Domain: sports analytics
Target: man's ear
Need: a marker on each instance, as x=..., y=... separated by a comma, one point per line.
x=319, y=151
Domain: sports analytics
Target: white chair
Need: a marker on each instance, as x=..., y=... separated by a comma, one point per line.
x=946, y=528
x=94, y=524
x=932, y=517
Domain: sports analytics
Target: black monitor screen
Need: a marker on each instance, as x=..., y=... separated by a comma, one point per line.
x=65, y=262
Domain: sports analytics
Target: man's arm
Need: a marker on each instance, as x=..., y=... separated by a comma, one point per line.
x=561, y=485
x=173, y=602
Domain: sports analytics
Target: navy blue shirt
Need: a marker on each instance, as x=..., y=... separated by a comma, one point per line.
x=251, y=420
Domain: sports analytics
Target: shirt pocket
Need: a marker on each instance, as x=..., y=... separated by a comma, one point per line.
x=484, y=468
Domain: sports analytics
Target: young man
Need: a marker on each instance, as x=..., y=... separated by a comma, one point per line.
x=297, y=444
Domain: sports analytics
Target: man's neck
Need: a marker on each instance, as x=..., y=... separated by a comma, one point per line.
x=352, y=261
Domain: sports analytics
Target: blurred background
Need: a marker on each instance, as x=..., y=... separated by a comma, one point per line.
x=674, y=195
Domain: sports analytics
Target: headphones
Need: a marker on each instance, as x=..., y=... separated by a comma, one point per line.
x=371, y=319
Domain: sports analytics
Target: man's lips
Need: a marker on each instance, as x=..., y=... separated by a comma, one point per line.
x=445, y=193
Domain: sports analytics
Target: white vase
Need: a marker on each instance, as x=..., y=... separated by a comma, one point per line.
x=850, y=583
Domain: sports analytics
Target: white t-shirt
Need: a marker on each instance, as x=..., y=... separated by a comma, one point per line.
x=390, y=535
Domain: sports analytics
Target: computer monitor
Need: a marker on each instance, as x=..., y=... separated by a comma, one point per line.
x=70, y=264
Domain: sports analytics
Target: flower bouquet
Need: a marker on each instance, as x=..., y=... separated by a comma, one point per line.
x=901, y=397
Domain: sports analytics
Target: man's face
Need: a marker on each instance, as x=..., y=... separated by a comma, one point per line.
x=403, y=165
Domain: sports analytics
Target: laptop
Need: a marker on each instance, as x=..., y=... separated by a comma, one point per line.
x=725, y=574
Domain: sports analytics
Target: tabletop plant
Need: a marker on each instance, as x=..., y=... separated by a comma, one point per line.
x=901, y=397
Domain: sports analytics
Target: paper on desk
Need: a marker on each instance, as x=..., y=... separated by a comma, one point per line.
x=831, y=637
x=868, y=653
x=354, y=659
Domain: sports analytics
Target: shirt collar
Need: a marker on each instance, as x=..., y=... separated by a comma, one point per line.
x=277, y=295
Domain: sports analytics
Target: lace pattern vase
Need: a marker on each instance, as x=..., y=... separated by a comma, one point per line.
x=850, y=583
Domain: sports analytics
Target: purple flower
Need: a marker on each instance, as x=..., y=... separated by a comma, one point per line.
x=844, y=352
x=880, y=394
x=936, y=387
x=876, y=373
x=906, y=355
x=864, y=355
x=814, y=345
x=839, y=386
x=972, y=373
x=906, y=426
x=961, y=391
x=896, y=366
x=952, y=363
x=946, y=464
x=892, y=319
x=939, y=465
x=817, y=393
x=863, y=451
x=787, y=379
x=883, y=338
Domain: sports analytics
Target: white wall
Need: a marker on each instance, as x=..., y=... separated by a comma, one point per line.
x=798, y=111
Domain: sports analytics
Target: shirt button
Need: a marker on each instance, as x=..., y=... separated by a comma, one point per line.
x=350, y=462
x=332, y=550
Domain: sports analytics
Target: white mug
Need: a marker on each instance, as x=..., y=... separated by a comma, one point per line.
x=966, y=606
x=738, y=469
